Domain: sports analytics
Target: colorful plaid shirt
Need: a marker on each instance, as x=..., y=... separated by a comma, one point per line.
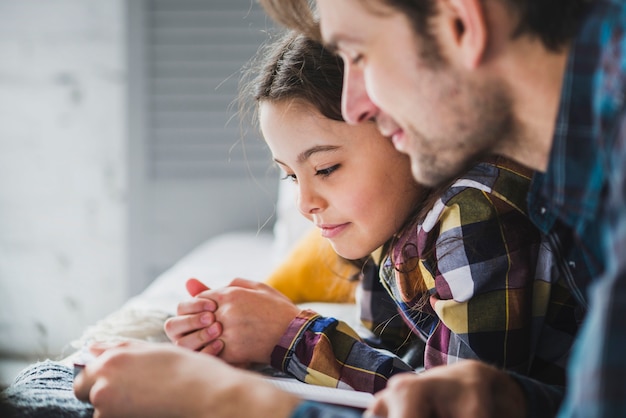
x=580, y=204
x=474, y=280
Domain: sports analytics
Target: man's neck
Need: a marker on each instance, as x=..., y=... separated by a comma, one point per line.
x=535, y=77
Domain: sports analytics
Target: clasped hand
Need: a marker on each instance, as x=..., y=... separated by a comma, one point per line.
x=241, y=323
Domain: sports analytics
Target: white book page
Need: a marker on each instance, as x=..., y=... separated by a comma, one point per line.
x=325, y=394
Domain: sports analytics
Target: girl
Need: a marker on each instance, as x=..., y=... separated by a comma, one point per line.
x=463, y=264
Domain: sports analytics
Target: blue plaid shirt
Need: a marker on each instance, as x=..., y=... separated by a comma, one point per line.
x=580, y=205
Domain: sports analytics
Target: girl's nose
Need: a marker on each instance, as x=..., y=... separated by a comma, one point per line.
x=309, y=202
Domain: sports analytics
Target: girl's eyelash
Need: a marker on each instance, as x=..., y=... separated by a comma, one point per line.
x=327, y=171
x=291, y=177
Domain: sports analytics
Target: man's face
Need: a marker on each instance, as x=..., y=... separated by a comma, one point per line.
x=442, y=115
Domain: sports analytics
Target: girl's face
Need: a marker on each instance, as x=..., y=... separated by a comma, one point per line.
x=352, y=183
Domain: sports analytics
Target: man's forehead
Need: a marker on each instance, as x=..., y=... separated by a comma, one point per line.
x=345, y=19
x=341, y=22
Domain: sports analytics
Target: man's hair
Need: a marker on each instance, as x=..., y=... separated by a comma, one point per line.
x=553, y=21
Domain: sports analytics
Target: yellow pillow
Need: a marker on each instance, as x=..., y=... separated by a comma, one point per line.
x=314, y=272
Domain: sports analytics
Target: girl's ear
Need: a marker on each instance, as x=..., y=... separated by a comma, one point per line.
x=466, y=25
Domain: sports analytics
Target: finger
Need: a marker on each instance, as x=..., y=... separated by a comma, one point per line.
x=377, y=409
x=199, y=339
x=83, y=383
x=196, y=305
x=213, y=348
x=180, y=326
x=195, y=286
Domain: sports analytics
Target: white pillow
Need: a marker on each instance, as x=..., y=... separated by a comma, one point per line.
x=290, y=225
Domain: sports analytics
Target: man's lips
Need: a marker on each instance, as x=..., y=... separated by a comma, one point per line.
x=397, y=138
x=395, y=133
x=330, y=231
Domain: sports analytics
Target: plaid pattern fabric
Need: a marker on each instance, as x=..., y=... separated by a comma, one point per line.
x=327, y=352
x=473, y=282
x=580, y=203
x=491, y=293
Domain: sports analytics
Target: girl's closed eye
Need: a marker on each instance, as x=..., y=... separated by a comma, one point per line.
x=325, y=172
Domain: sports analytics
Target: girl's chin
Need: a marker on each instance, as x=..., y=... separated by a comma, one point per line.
x=349, y=253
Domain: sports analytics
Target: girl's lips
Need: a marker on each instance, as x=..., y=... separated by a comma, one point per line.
x=331, y=231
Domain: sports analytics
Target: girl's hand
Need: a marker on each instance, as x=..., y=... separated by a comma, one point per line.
x=195, y=326
x=254, y=317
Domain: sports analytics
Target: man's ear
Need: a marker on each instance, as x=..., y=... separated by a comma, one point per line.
x=467, y=25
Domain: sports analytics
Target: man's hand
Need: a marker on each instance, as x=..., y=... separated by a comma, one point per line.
x=468, y=389
x=161, y=380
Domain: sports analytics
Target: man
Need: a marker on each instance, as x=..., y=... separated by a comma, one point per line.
x=450, y=81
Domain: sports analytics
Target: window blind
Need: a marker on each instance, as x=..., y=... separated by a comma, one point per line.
x=195, y=52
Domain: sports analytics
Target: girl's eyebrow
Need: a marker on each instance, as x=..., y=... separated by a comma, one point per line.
x=305, y=155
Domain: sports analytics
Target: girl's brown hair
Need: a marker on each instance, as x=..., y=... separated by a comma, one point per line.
x=293, y=67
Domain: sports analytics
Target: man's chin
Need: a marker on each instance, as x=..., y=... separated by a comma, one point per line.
x=424, y=177
x=431, y=176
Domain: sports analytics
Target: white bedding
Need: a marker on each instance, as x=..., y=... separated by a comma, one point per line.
x=251, y=255
x=216, y=262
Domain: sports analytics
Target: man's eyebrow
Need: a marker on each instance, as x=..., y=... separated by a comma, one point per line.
x=335, y=39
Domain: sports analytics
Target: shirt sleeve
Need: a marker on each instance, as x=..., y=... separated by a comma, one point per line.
x=327, y=352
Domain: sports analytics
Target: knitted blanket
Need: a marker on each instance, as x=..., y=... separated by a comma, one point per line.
x=43, y=390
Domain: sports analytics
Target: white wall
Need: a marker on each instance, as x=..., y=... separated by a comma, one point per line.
x=63, y=179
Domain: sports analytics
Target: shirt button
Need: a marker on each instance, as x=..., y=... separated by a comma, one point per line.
x=543, y=210
x=572, y=264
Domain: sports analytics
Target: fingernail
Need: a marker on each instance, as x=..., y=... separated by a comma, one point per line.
x=217, y=345
x=212, y=331
x=206, y=319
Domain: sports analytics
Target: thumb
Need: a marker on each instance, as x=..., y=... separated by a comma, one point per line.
x=195, y=286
